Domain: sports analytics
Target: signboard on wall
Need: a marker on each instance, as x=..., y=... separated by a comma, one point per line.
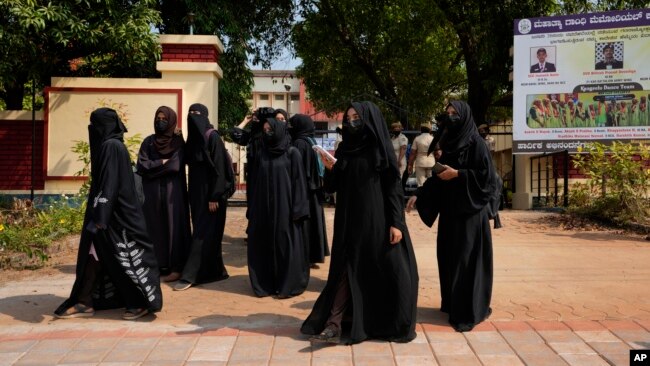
x=581, y=78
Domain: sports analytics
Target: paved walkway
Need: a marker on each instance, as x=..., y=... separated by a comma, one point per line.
x=560, y=298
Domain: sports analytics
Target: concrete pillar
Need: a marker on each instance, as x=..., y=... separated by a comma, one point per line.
x=522, y=199
x=194, y=60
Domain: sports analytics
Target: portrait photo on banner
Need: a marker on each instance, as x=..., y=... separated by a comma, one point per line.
x=609, y=55
x=542, y=59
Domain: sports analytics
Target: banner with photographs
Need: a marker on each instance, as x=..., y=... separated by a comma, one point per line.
x=581, y=78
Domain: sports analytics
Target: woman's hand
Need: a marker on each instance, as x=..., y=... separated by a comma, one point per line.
x=213, y=206
x=448, y=174
x=411, y=203
x=327, y=163
x=395, y=235
x=245, y=121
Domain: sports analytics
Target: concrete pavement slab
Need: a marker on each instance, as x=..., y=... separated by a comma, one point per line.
x=560, y=297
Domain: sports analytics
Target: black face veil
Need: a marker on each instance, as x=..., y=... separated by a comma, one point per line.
x=376, y=130
x=105, y=124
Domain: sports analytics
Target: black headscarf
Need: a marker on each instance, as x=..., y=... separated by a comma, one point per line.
x=105, y=125
x=200, y=108
x=197, y=141
x=302, y=126
x=455, y=138
x=375, y=127
x=279, y=143
x=282, y=112
x=168, y=141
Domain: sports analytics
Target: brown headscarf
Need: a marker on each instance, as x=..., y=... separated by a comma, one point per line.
x=168, y=141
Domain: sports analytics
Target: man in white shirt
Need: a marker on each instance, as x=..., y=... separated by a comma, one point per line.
x=419, y=159
x=399, y=145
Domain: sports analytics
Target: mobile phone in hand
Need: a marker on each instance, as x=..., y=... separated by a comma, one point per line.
x=438, y=168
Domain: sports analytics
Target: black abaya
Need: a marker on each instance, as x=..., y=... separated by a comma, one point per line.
x=464, y=238
x=383, y=279
x=115, y=226
x=278, y=261
x=302, y=129
x=206, y=183
x=165, y=206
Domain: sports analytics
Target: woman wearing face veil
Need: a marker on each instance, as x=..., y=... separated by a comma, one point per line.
x=252, y=139
x=278, y=262
x=373, y=277
x=460, y=195
x=207, y=184
x=302, y=135
x=161, y=164
x=116, y=263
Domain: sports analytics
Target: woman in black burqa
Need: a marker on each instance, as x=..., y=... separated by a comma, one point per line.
x=461, y=195
x=301, y=128
x=116, y=263
x=161, y=163
x=373, y=276
x=278, y=261
x=207, y=185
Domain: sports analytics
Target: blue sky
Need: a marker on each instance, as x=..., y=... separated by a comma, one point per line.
x=286, y=61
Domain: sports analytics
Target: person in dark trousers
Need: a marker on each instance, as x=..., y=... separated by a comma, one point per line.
x=116, y=262
x=460, y=196
x=278, y=263
x=302, y=129
x=373, y=279
x=205, y=154
x=161, y=164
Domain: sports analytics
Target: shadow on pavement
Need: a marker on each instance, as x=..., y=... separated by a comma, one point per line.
x=40, y=308
x=30, y=308
x=598, y=236
x=432, y=316
x=234, y=251
x=253, y=324
x=240, y=284
x=67, y=268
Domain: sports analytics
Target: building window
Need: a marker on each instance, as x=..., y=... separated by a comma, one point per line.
x=295, y=97
x=279, y=97
x=320, y=125
x=264, y=97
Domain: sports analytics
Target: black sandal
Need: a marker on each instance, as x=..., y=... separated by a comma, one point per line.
x=133, y=314
x=78, y=310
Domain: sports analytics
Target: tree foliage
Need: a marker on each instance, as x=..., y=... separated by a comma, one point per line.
x=251, y=30
x=40, y=39
x=396, y=53
x=409, y=53
x=484, y=31
x=615, y=188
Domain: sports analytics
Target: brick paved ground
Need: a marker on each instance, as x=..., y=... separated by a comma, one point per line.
x=560, y=298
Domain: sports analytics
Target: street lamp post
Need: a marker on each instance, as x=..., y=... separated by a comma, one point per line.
x=287, y=87
x=190, y=19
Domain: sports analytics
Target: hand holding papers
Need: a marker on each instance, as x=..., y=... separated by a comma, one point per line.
x=327, y=158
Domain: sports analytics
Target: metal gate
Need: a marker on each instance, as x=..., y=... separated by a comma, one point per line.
x=549, y=179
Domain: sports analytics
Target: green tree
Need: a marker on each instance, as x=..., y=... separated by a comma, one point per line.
x=40, y=39
x=251, y=30
x=484, y=33
x=397, y=53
